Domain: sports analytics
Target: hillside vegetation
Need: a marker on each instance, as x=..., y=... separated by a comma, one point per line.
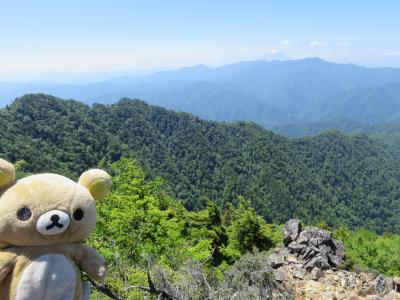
x=209, y=253
x=352, y=181
x=388, y=133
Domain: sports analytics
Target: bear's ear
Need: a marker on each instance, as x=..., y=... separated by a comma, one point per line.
x=7, y=173
x=97, y=181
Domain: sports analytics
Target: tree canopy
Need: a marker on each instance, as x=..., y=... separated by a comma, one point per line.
x=352, y=181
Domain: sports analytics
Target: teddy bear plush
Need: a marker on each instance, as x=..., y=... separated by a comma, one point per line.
x=43, y=220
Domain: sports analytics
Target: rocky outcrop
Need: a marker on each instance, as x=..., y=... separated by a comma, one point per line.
x=312, y=247
x=309, y=262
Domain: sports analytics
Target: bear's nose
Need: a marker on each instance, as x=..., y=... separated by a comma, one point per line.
x=55, y=218
x=53, y=222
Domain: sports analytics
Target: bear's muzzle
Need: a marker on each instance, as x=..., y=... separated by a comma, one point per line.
x=53, y=222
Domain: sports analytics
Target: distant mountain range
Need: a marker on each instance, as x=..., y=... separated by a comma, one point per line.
x=275, y=94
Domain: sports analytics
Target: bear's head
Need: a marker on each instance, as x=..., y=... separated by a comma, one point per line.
x=46, y=209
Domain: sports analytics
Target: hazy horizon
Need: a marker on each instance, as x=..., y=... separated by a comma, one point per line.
x=83, y=78
x=71, y=41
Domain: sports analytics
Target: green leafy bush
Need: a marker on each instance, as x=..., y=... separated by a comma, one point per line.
x=141, y=228
x=366, y=249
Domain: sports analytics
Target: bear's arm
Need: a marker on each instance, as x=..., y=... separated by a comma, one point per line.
x=92, y=263
x=7, y=261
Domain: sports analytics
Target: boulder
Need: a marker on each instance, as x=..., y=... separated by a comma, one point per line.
x=280, y=275
x=380, y=285
x=316, y=274
x=291, y=231
x=276, y=260
x=317, y=262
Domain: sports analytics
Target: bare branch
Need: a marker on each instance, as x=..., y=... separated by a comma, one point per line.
x=210, y=257
x=152, y=289
x=105, y=290
x=151, y=283
x=139, y=287
x=234, y=296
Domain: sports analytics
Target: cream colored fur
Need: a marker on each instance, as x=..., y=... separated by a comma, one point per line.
x=38, y=217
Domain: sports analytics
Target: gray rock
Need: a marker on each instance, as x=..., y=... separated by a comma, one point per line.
x=291, y=259
x=339, y=249
x=283, y=251
x=316, y=274
x=344, y=283
x=312, y=247
x=291, y=231
x=317, y=262
x=296, y=248
x=389, y=283
x=380, y=285
x=299, y=273
x=280, y=275
x=276, y=260
x=313, y=242
x=299, y=266
x=303, y=238
x=396, y=284
x=309, y=253
x=334, y=261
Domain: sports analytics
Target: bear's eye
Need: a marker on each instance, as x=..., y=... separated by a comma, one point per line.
x=78, y=214
x=24, y=214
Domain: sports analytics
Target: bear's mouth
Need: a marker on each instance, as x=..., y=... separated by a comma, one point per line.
x=55, y=222
x=48, y=227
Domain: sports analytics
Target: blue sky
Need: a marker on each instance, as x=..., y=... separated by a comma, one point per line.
x=42, y=38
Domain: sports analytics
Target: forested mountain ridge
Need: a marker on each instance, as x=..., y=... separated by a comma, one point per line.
x=270, y=93
x=387, y=132
x=343, y=180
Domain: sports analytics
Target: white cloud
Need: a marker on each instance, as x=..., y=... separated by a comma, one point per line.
x=285, y=42
x=317, y=44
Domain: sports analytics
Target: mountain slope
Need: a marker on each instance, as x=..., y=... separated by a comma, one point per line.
x=373, y=105
x=331, y=177
x=299, y=90
x=210, y=101
x=272, y=94
x=344, y=125
x=386, y=132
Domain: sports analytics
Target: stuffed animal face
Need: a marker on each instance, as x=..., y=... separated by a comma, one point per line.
x=48, y=208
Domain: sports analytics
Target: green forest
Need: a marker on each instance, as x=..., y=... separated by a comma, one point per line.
x=197, y=205
x=142, y=229
x=386, y=132
x=351, y=181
